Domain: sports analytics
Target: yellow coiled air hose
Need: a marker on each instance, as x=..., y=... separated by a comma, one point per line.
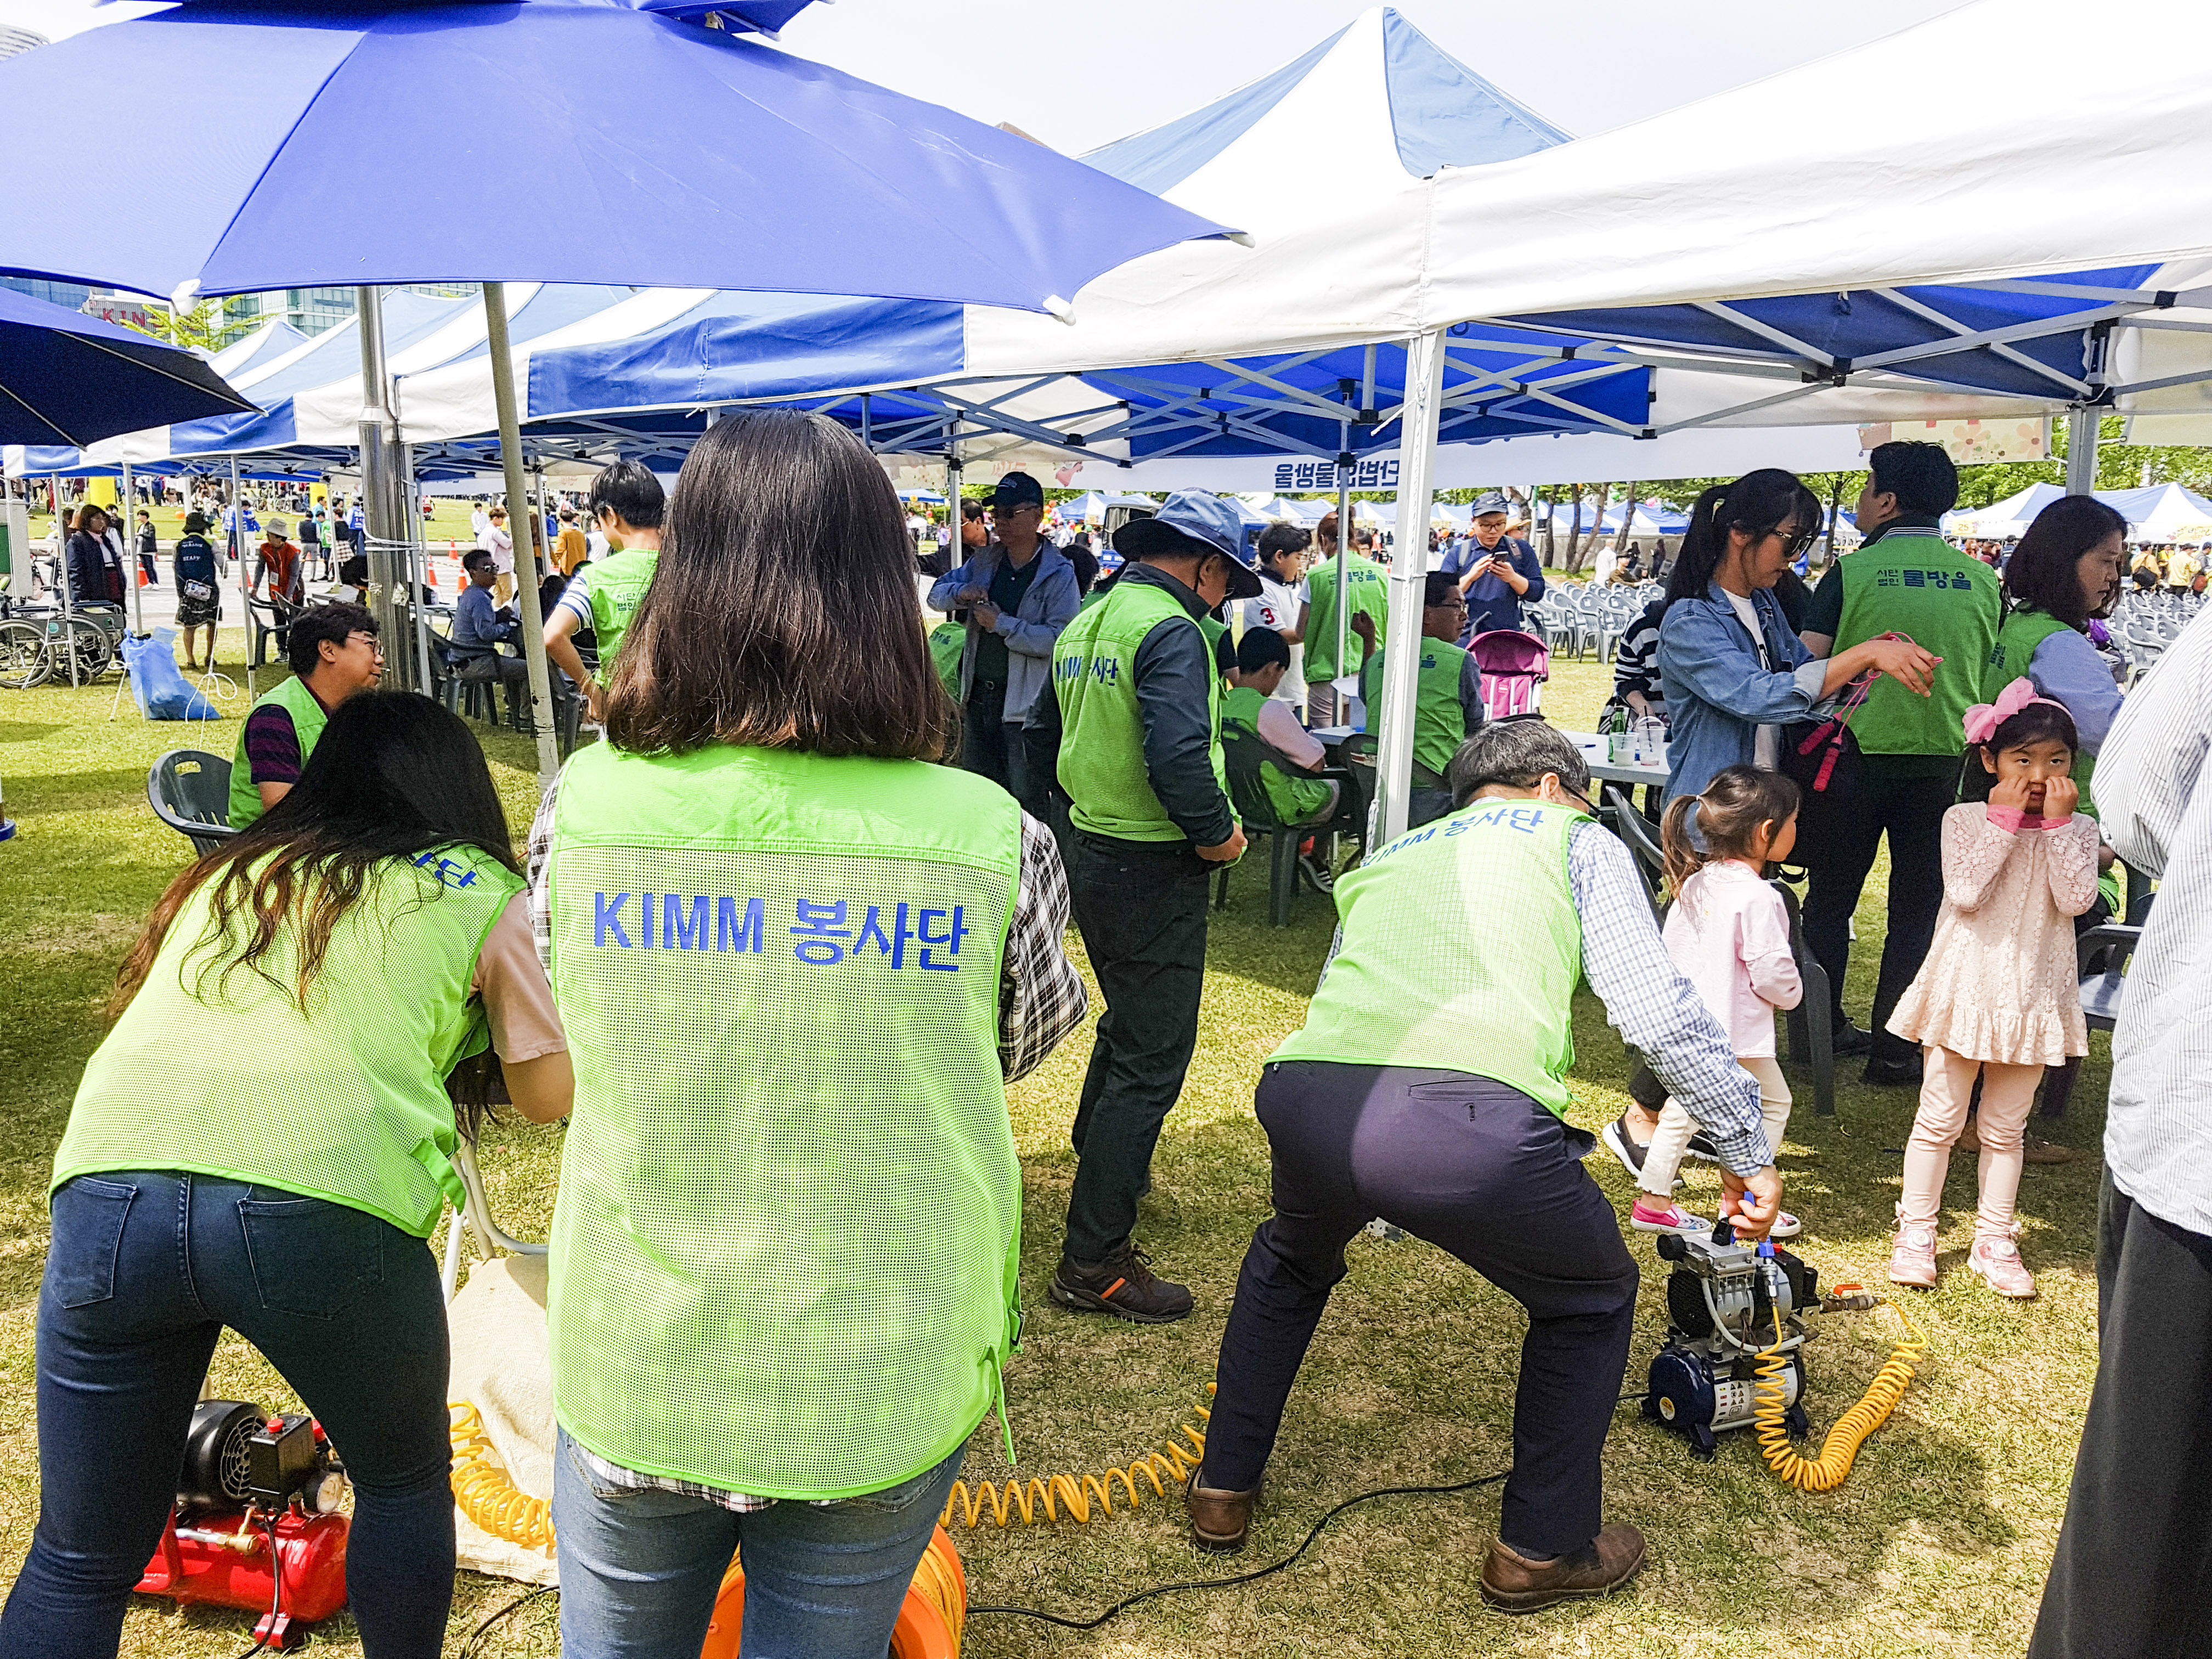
x=1166, y=1471
x=484, y=1494
x=1827, y=1471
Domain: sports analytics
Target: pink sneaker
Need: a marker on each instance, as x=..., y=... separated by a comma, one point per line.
x=1649, y=1218
x=1996, y=1259
x=1912, y=1258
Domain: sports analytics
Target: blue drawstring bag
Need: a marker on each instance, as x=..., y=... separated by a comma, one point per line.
x=157, y=685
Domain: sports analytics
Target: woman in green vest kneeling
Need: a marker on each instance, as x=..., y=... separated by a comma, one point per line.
x=1429, y=1087
x=798, y=961
x=265, y=1140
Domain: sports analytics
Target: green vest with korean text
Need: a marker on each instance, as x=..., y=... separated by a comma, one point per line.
x=2023, y=632
x=1439, y=717
x=308, y=719
x=1460, y=947
x=342, y=1099
x=1367, y=591
x=1919, y=586
x=785, y=1247
x=1295, y=796
x=617, y=586
x=1102, y=746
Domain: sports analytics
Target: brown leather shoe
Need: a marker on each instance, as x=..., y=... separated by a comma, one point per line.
x=1218, y=1519
x=1513, y=1583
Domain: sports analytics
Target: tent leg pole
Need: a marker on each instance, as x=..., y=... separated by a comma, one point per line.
x=418, y=569
x=2081, y=451
x=510, y=455
x=378, y=435
x=1344, y=590
x=130, y=551
x=1409, y=568
x=245, y=582
x=68, y=598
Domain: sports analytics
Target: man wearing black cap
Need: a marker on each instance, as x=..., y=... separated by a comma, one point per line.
x=1498, y=572
x=1019, y=593
x=1132, y=732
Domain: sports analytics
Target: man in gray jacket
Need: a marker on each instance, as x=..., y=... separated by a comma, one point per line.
x=1019, y=591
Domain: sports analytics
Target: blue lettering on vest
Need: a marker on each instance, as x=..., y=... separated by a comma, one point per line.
x=730, y=933
x=647, y=911
x=680, y=932
x=607, y=917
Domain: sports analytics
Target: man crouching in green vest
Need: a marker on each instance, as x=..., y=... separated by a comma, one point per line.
x=1134, y=734
x=334, y=653
x=1428, y=1087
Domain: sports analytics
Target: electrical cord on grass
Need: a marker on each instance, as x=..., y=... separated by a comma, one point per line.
x=515, y=1606
x=275, y=1574
x=1123, y=1606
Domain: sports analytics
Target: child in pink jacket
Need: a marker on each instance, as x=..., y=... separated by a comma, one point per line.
x=1729, y=934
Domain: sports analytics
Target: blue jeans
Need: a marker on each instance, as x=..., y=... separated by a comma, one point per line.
x=639, y=1569
x=143, y=1272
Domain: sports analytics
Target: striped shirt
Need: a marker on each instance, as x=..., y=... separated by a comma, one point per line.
x=2156, y=804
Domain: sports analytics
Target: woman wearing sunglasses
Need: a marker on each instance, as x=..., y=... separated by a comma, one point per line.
x=1735, y=673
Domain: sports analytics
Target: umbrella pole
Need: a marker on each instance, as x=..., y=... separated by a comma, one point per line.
x=244, y=585
x=510, y=455
x=379, y=436
x=68, y=599
x=131, y=552
x=418, y=569
x=1409, y=569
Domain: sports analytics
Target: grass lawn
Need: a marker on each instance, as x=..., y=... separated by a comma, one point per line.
x=1936, y=1545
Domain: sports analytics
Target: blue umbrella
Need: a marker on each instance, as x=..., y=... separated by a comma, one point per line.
x=380, y=142
x=68, y=378
x=648, y=142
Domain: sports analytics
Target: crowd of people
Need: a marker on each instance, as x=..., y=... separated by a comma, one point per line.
x=783, y=1275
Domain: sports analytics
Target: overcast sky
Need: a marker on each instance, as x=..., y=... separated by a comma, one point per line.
x=1078, y=73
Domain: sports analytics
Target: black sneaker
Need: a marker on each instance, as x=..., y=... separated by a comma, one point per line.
x=1702, y=1148
x=1624, y=1147
x=1124, y=1285
x=1894, y=1074
x=1845, y=1038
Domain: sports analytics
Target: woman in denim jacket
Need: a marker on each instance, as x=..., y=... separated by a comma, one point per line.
x=1734, y=674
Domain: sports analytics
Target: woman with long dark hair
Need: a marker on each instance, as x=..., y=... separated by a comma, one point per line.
x=2064, y=574
x=1734, y=674
x=798, y=957
x=265, y=1140
x=95, y=579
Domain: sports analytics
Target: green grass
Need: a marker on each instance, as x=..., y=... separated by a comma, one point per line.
x=1936, y=1545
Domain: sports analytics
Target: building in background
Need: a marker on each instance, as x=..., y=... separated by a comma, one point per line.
x=313, y=310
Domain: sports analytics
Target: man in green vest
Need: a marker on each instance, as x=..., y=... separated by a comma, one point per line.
x=1133, y=732
x=1448, y=705
x=1367, y=593
x=1251, y=709
x=626, y=502
x=1428, y=1088
x=1904, y=579
x=334, y=653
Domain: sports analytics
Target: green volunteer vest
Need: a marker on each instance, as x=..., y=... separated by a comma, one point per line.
x=1295, y=797
x=345, y=1101
x=618, y=584
x=785, y=1254
x=947, y=641
x=1439, y=717
x=1102, y=746
x=2016, y=648
x=1460, y=948
x=1951, y=604
x=308, y=719
x=1369, y=592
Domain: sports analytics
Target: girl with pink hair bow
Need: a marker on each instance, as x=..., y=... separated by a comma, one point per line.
x=1997, y=996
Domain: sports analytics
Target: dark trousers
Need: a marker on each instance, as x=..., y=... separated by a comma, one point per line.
x=992, y=748
x=1910, y=811
x=2132, y=1578
x=1476, y=1168
x=144, y=1271
x=1143, y=917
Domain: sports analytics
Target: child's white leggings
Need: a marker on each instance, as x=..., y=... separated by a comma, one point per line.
x=1947, y=1085
x=1664, y=1160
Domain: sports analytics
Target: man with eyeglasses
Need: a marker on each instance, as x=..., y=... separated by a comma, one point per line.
x=334, y=653
x=1904, y=579
x=1019, y=591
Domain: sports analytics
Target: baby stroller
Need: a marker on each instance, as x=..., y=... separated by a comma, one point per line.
x=1515, y=666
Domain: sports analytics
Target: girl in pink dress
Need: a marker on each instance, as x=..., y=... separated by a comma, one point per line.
x=1729, y=932
x=1998, y=995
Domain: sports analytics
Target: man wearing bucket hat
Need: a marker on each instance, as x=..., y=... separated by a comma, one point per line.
x=1131, y=729
x=1497, y=572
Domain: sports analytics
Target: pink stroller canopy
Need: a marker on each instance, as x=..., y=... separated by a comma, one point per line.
x=1513, y=665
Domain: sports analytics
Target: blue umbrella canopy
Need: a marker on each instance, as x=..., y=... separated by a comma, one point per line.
x=562, y=141
x=68, y=378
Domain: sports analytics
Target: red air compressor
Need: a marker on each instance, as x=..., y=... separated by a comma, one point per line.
x=255, y=1525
